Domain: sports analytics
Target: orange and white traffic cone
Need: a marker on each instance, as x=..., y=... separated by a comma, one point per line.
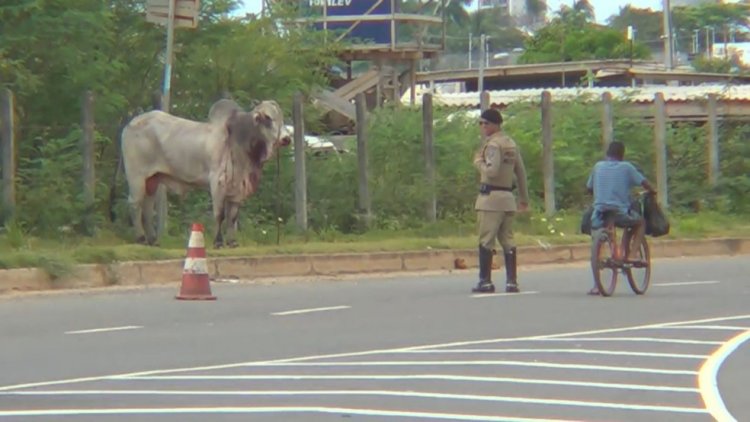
x=195, y=282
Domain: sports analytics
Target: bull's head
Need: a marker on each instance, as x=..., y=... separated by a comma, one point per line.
x=270, y=118
x=259, y=132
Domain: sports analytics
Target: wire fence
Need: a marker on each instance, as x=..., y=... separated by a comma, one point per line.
x=404, y=167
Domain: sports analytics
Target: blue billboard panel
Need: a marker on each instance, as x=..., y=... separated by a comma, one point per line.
x=367, y=32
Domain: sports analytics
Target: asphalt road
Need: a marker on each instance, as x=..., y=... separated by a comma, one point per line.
x=398, y=348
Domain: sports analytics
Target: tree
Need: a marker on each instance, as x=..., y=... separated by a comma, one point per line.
x=717, y=65
x=501, y=32
x=721, y=18
x=456, y=16
x=246, y=60
x=455, y=11
x=571, y=36
x=51, y=51
x=646, y=22
x=586, y=8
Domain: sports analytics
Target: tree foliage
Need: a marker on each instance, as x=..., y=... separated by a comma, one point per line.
x=723, y=19
x=52, y=51
x=647, y=24
x=572, y=36
x=503, y=33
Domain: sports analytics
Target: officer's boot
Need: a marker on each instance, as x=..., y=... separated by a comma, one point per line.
x=511, y=283
x=485, y=272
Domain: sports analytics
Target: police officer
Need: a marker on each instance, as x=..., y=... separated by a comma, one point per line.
x=498, y=161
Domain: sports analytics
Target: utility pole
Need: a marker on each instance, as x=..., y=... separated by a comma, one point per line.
x=486, y=52
x=470, y=46
x=630, y=41
x=479, y=16
x=668, y=44
x=162, y=205
x=167, y=90
x=695, y=41
x=480, y=79
x=710, y=39
x=179, y=13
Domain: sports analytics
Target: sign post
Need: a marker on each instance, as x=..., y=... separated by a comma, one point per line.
x=167, y=88
x=172, y=13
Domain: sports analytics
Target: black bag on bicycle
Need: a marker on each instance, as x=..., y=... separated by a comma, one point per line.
x=657, y=223
x=586, y=220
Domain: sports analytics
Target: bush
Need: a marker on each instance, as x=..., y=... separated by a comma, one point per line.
x=50, y=203
x=50, y=194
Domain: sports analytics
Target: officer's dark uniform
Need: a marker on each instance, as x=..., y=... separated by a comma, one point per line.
x=499, y=161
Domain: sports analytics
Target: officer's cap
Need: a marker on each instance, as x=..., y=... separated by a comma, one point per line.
x=493, y=116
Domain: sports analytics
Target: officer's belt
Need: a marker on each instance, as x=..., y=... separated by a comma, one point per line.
x=488, y=188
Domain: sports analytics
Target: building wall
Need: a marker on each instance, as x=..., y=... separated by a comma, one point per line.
x=517, y=8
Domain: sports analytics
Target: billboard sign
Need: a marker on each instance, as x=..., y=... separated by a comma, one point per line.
x=368, y=32
x=185, y=14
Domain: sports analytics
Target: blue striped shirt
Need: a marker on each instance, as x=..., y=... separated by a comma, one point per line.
x=611, y=181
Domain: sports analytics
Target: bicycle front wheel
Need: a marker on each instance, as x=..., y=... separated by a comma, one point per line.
x=603, y=264
x=638, y=271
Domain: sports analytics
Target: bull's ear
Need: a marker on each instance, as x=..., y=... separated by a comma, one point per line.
x=262, y=118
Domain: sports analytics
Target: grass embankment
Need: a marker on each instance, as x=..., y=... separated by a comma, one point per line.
x=58, y=256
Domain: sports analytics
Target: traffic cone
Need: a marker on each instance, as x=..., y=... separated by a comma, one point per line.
x=195, y=282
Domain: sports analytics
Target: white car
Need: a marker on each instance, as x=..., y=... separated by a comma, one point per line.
x=472, y=114
x=316, y=144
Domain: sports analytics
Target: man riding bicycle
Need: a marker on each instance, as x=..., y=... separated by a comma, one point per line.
x=610, y=182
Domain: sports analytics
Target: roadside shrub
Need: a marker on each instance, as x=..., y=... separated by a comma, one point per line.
x=50, y=202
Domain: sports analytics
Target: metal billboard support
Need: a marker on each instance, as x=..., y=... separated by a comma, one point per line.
x=188, y=16
x=168, y=60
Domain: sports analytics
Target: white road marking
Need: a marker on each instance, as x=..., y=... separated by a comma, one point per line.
x=634, y=339
x=441, y=377
x=686, y=283
x=369, y=352
x=261, y=409
x=555, y=336
x=707, y=378
x=442, y=396
x=572, y=351
x=707, y=327
x=485, y=295
x=104, y=330
x=486, y=363
x=305, y=311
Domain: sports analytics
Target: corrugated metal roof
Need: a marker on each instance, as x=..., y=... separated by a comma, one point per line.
x=641, y=94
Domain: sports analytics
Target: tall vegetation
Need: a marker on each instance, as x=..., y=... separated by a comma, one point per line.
x=53, y=50
x=400, y=191
x=572, y=35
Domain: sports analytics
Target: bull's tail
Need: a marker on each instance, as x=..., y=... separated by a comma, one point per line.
x=113, y=187
x=118, y=169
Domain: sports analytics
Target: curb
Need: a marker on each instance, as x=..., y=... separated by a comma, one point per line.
x=146, y=273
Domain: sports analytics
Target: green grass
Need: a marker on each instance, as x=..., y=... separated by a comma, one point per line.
x=57, y=256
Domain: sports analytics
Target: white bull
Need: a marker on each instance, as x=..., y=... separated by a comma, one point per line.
x=225, y=155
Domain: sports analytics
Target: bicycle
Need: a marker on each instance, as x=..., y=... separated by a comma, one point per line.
x=607, y=254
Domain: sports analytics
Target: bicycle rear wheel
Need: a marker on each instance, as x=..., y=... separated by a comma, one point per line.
x=638, y=270
x=602, y=264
